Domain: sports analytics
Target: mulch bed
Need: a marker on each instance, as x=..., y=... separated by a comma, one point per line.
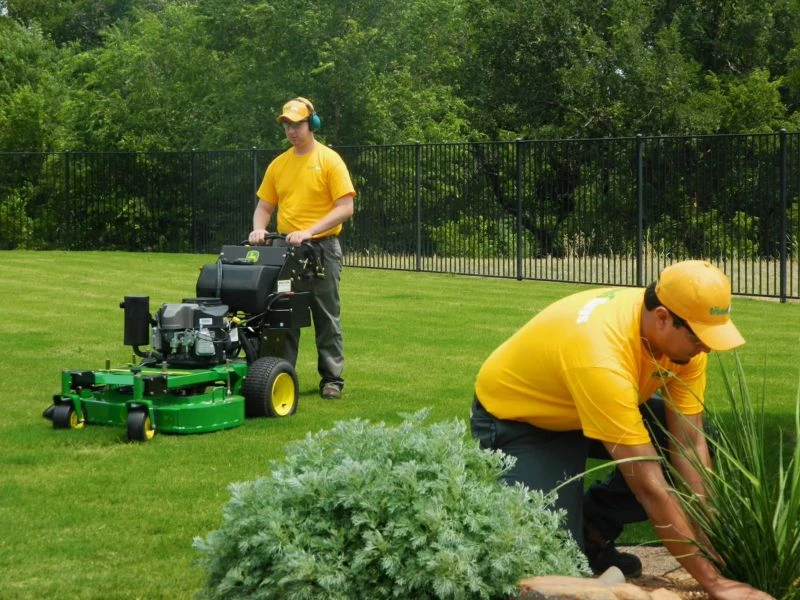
x=661, y=570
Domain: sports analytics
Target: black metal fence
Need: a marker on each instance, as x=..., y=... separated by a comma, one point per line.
x=605, y=211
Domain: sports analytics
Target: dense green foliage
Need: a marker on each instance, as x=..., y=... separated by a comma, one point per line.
x=369, y=511
x=182, y=74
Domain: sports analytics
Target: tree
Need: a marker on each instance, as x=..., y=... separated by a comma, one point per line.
x=31, y=91
x=78, y=21
x=152, y=85
x=377, y=71
x=621, y=67
x=172, y=74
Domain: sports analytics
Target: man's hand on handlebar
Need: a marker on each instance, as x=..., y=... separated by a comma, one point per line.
x=298, y=237
x=257, y=237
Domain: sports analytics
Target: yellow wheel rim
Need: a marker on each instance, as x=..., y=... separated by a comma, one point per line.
x=149, y=432
x=283, y=394
x=73, y=421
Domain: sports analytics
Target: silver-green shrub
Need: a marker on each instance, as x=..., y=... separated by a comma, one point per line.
x=369, y=511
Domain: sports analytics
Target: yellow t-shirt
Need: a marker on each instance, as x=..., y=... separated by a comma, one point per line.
x=305, y=187
x=581, y=364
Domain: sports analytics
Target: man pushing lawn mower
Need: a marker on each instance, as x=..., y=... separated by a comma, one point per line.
x=310, y=187
x=230, y=352
x=580, y=380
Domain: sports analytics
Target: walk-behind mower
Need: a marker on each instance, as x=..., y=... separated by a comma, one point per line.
x=213, y=360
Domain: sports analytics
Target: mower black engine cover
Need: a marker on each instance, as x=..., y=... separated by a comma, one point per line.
x=194, y=334
x=191, y=315
x=242, y=287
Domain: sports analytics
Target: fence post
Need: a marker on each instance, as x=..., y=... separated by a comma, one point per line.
x=66, y=202
x=783, y=201
x=518, y=146
x=640, y=206
x=192, y=203
x=255, y=176
x=418, y=200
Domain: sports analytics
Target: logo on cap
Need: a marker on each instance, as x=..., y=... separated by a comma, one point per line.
x=697, y=291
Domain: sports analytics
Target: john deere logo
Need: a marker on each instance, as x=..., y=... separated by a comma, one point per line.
x=252, y=256
x=717, y=311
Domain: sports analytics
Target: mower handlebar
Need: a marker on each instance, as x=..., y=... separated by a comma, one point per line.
x=268, y=237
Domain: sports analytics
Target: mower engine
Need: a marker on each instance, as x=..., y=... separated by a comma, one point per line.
x=194, y=333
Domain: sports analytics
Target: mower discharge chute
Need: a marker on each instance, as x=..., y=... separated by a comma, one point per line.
x=213, y=359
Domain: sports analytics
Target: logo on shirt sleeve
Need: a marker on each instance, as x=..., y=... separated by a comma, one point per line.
x=586, y=311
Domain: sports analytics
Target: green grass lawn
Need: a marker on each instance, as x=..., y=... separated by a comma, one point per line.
x=84, y=514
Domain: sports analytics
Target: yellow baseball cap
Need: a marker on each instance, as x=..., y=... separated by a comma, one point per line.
x=700, y=294
x=296, y=110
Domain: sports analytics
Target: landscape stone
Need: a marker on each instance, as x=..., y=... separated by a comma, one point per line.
x=608, y=586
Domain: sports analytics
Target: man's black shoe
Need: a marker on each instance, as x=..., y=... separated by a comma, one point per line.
x=330, y=391
x=602, y=554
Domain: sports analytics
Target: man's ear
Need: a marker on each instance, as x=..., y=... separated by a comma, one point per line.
x=663, y=318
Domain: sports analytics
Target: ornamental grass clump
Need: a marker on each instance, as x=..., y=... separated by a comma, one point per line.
x=751, y=514
x=369, y=511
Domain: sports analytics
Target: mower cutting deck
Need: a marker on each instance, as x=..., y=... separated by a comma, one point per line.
x=214, y=359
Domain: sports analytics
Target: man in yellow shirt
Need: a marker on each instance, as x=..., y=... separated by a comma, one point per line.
x=582, y=376
x=310, y=186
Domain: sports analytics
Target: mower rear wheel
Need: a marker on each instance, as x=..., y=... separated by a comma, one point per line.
x=140, y=429
x=65, y=417
x=270, y=388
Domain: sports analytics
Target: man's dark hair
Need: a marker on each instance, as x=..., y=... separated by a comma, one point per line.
x=651, y=302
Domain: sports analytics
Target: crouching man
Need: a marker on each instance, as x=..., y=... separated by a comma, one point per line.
x=580, y=380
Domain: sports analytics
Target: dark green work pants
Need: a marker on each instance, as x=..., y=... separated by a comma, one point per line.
x=325, y=312
x=547, y=458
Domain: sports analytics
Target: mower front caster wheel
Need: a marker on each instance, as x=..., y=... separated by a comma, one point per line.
x=65, y=417
x=270, y=388
x=140, y=429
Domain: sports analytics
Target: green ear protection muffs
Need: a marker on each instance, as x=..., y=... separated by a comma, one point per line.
x=314, y=120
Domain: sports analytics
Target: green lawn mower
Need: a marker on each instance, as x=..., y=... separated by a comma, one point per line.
x=213, y=360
